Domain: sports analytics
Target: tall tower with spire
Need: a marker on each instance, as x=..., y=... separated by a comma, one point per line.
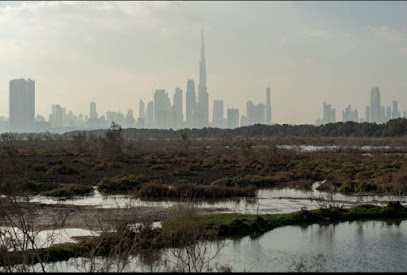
x=203, y=96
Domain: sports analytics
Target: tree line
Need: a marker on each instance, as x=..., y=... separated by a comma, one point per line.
x=393, y=128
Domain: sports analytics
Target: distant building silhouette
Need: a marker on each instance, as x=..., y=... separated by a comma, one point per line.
x=56, y=116
x=268, y=106
x=375, y=105
x=92, y=112
x=367, y=114
x=329, y=114
x=217, y=117
x=350, y=115
x=395, y=114
x=232, y=118
x=93, y=121
x=382, y=114
x=162, y=109
x=177, y=109
x=190, y=102
x=243, y=121
x=149, y=122
x=129, y=120
x=388, y=114
x=203, y=96
x=141, y=119
x=255, y=114
x=116, y=117
x=22, y=105
x=141, y=109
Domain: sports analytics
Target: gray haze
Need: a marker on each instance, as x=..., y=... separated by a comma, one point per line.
x=116, y=53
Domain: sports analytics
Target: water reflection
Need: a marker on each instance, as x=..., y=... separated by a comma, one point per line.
x=356, y=246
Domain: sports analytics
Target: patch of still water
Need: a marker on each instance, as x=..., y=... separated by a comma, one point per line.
x=359, y=246
x=267, y=201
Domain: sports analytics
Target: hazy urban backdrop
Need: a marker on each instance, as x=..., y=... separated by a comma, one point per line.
x=116, y=53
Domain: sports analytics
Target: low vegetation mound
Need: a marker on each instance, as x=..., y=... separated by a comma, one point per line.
x=107, y=164
x=232, y=224
x=62, y=169
x=120, y=184
x=69, y=190
x=190, y=190
x=37, y=187
x=244, y=181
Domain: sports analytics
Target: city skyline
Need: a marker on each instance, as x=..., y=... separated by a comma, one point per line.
x=304, y=63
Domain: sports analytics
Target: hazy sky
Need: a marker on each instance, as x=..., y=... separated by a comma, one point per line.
x=116, y=53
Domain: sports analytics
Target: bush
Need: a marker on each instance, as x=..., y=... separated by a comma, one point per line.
x=62, y=169
x=190, y=190
x=37, y=187
x=244, y=181
x=112, y=143
x=183, y=171
x=124, y=183
x=55, y=162
x=154, y=190
x=356, y=186
x=39, y=168
x=69, y=190
x=160, y=167
x=107, y=164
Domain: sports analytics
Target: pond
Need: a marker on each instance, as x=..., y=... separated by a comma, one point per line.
x=359, y=246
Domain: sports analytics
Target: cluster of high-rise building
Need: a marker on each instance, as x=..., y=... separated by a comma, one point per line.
x=374, y=113
x=158, y=113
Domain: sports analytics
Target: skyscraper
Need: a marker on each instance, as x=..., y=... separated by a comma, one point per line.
x=395, y=114
x=177, y=109
x=149, y=115
x=233, y=118
x=92, y=111
x=329, y=114
x=268, y=106
x=22, y=105
x=141, y=123
x=382, y=114
x=388, y=114
x=56, y=116
x=255, y=114
x=162, y=108
x=349, y=115
x=217, y=117
x=203, y=96
x=190, y=101
x=129, y=119
x=367, y=114
x=141, y=109
x=375, y=105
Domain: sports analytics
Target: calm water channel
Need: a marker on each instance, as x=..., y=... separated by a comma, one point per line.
x=267, y=201
x=356, y=246
x=369, y=246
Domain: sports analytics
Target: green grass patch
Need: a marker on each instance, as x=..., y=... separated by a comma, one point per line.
x=229, y=225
